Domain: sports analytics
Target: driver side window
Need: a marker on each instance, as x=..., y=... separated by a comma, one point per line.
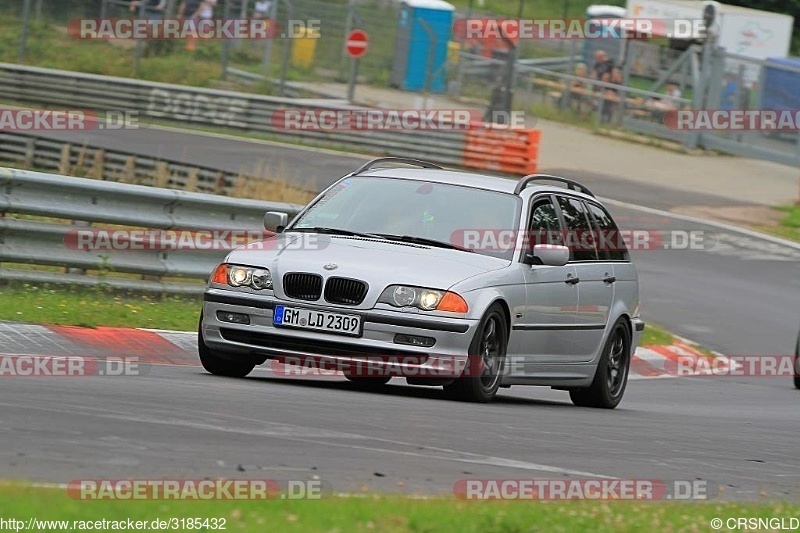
x=543, y=227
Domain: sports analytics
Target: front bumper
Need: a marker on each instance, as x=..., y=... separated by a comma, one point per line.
x=638, y=328
x=263, y=340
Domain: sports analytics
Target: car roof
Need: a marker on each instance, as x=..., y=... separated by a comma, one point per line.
x=467, y=179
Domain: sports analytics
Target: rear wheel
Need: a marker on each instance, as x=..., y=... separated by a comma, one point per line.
x=218, y=364
x=487, y=358
x=611, y=376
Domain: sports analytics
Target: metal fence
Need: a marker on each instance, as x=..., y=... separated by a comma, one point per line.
x=38, y=212
x=213, y=108
x=545, y=76
x=705, y=78
x=65, y=158
x=737, y=82
x=314, y=55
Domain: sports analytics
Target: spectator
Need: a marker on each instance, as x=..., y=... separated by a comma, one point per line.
x=602, y=65
x=672, y=90
x=262, y=9
x=610, y=94
x=196, y=10
x=660, y=106
x=578, y=90
x=499, y=105
x=728, y=96
x=580, y=71
x=153, y=9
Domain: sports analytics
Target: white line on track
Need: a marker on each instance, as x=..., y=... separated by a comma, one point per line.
x=705, y=222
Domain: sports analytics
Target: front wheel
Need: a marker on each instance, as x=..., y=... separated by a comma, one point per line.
x=219, y=365
x=611, y=376
x=487, y=359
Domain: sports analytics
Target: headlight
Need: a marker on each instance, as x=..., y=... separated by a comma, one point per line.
x=403, y=296
x=242, y=276
x=422, y=298
x=238, y=276
x=261, y=279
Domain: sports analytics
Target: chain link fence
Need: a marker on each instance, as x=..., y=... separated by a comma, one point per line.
x=310, y=46
x=550, y=79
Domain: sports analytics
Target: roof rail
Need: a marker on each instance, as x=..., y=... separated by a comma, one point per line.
x=403, y=160
x=571, y=184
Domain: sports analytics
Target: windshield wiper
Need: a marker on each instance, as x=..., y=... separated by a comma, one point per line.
x=338, y=231
x=423, y=240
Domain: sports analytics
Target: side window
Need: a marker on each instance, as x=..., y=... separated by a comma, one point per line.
x=610, y=242
x=580, y=240
x=544, y=227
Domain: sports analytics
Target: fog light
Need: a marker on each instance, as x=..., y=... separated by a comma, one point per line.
x=414, y=340
x=233, y=318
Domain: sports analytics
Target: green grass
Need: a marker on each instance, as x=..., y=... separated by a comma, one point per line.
x=654, y=335
x=100, y=307
x=49, y=46
x=97, y=307
x=393, y=513
x=789, y=224
x=792, y=218
x=533, y=8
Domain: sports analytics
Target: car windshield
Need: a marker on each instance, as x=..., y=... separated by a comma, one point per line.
x=413, y=211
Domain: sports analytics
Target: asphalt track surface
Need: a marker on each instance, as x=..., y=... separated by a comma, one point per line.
x=740, y=297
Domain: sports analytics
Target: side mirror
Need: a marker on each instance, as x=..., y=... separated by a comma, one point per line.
x=275, y=221
x=548, y=255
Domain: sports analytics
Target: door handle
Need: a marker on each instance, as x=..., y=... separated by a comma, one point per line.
x=609, y=279
x=572, y=280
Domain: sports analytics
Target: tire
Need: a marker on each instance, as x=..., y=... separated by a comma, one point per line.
x=797, y=372
x=487, y=360
x=611, y=376
x=219, y=365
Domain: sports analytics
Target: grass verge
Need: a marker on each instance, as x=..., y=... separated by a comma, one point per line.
x=787, y=227
x=655, y=335
x=393, y=513
x=103, y=307
x=97, y=307
x=790, y=224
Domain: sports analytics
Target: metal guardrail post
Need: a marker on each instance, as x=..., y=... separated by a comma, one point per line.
x=140, y=44
x=23, y=39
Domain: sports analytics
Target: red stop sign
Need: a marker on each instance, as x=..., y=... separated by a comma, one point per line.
x=356, y=44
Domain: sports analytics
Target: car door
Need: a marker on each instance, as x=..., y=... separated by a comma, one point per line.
x=595, y=274
x=551, y=296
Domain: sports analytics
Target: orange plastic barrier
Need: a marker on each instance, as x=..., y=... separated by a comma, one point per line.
x=502, y=149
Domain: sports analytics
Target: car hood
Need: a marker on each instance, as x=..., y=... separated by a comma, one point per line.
x=377, y=262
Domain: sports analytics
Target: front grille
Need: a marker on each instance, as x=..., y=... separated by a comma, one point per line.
x=345, y=291
x=302, y=286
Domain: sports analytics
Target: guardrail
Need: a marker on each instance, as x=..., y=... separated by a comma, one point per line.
x=79, y=203
x=62, y=157
x=212, y=108
x=215, y=108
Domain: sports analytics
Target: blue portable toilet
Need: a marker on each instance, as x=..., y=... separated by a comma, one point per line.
x=424, y=29
x=781, y=87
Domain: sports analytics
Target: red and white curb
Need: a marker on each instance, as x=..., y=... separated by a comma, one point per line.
x=179, y=348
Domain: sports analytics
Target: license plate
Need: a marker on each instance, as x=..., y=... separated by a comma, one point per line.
x=293, y=317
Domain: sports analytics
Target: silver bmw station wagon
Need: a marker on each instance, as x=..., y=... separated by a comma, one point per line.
x=442, y=277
